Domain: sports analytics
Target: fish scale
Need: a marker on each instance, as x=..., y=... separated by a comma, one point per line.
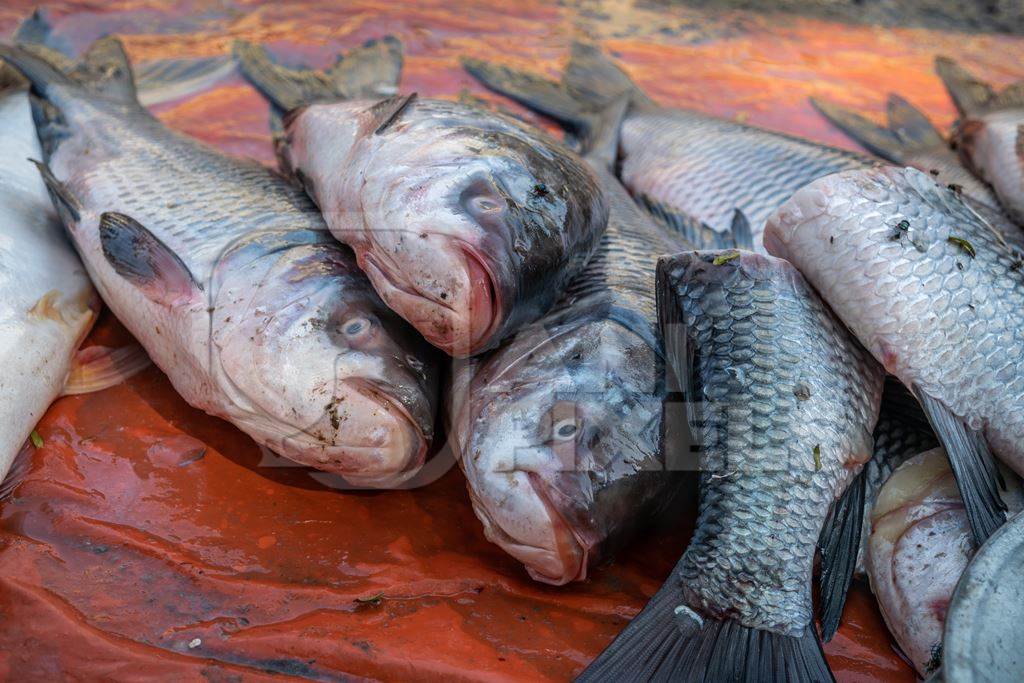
x=707, y=167
x=763, y=496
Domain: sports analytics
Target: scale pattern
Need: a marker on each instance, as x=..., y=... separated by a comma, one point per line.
x=707, y=167
x=930, y=283
x=787, y=401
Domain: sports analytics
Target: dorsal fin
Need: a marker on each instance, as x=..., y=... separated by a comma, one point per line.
x=386, y=112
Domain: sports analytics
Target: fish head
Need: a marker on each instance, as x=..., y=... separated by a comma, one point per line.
x=992, y=145
x=550, y=424
x=468, y=225
x=330, y=377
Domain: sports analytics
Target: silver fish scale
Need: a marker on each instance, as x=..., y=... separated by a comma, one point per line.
x=779, y=377
x=707, y=167
x=157, y=175
x=936, y=316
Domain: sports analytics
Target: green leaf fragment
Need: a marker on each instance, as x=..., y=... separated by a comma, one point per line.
x=37, y=440
x=726, y=257
x=817, y=457
x=963, y=244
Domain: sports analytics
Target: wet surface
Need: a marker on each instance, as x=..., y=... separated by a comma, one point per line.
x=149, y=538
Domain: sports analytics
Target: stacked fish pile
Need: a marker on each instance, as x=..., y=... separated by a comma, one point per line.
x=832, y=340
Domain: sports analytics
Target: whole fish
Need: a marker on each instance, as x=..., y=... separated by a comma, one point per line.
x=698, y=165
x=930, y=281
x=228, y=277
x=468, y=223
x=782, y=402
x=559, y=430
x=920, y=544
x=908, y=139
x=990, y=132
x=47, y=304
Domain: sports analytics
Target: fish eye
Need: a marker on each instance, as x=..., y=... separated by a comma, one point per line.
x=355, y=327
x=565, y=430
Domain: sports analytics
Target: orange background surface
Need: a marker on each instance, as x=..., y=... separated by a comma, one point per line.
x=149, y=539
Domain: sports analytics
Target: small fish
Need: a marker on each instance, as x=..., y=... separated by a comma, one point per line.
x=559, y=430
x=702, y=166
x=228, y=277
x=468, y=223
x=908, y=139
x=989, y=134
x=946, y=323
x=744, y=338
x=920, y=544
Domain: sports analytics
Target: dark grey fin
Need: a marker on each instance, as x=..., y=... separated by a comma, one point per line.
x=534, y=92
x=370, y=71
x=970, y=95
x=908, y=130
x=41, y=74
x=36, y=34
x=700, y=235
x=839, y=544
x=590, y=75
x=742, y=236
x=171, y=79
x=19, y=468
x=973, y=466
x=600, y=139
x=386, y=112
x=142, y=259
x=67, y=206
x=669, y=641
x=105, y=69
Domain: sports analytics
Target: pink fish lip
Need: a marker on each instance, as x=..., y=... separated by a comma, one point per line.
x=440, y=324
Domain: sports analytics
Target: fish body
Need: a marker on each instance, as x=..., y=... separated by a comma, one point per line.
x=783, y=400
x=920, y=544
x=47, y=304
x=468, y=223
x=560, y=429
x=931, y=283
x=228, y=277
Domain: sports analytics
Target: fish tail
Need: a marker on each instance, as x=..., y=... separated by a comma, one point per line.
x=839, y=544
x=908, y=129
x=40, y=73
x=669, y=641
x=370, y=71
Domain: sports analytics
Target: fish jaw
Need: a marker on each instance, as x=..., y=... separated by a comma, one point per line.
x=993, y=147
x=887, y=248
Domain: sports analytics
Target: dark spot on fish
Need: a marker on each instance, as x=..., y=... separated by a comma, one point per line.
x=959, y=265
x=1017, y=265
x=832, y=239
x=802, y=391
x=540, y=190
x=332, y=412
x=956, y=188
x=444, y=295
x=934, y=171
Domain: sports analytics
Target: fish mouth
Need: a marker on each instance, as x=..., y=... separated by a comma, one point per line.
x=563, y=560
x=458, y=330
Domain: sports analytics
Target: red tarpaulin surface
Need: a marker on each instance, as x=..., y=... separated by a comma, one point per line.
x=149, y=539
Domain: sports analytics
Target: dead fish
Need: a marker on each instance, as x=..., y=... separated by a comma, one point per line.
x=468, y=223
x=699, y=165
x=782, y=403
x=930, y=281
x=559, y=430
x=990, y=132
x=920, y=545
x=228, y=277
x=908, y=139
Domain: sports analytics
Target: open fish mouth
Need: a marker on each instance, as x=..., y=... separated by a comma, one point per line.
x=458, y=325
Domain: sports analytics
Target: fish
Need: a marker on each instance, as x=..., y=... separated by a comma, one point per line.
x=930, y=282
x=559, y=430
x=989, y=134
x=782, y=401
x=468, y=223
x=909, y=138
x=226, y=273
x=920, y=545
x=697, y=165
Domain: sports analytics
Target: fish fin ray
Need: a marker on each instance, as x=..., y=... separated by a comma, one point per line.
x=869, y=135
x=286, y=89
x=910, y=125
x=699, y=234
x=96, y=368
x=142, y=259
x=20, y=465
x=534, y=92
x=973, y=465
x=386, y=112
x=171, y=79
x=67, y=206
x=371, y=70
x=742, y=235
x=839, y=544
x=969, y=94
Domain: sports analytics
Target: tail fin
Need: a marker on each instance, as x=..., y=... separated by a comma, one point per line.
x=40, y=73
x=103, y=70
x=908, y=129
x=590, y=75
x=668, y=641
x=969, y=94
x=839, y=544
x=370, y=71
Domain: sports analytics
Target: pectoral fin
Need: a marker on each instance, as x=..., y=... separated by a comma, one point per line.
x=142, y=259
x=99, y=367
